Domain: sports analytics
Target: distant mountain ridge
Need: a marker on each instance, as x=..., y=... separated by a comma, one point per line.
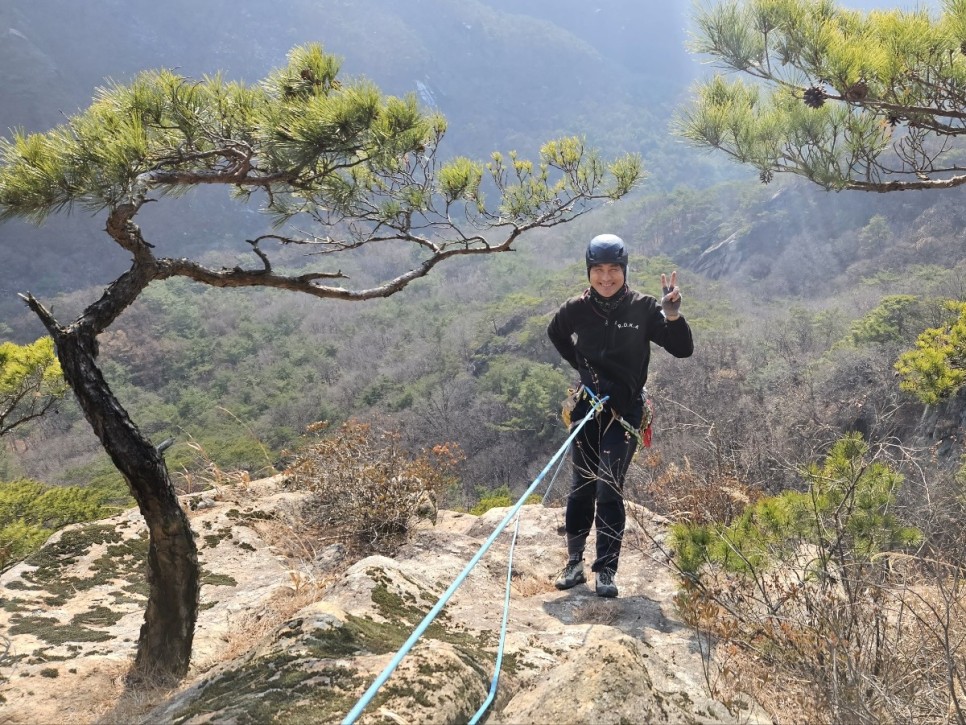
x=506, y=76
x=499, y=69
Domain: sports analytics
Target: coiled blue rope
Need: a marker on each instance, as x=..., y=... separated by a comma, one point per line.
x=367, y=696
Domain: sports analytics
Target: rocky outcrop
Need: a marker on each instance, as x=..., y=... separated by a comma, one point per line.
x=570, y=657
x=942, y=427
x=73, y=610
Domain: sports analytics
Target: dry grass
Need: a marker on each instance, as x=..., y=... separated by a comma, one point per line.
x=873, y=649
x=205, y=474
x=596, y=611
x=127, y=705
x=683, y=493
x=255, y=626
x=291, y=536
x=529, y=585
x=735, y=677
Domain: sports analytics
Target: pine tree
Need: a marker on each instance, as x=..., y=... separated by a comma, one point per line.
x=849, y=100
x=314, y=152
x=30, y=382
x=936, y=368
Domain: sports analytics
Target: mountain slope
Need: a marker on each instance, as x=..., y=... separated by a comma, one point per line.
x=505, y=80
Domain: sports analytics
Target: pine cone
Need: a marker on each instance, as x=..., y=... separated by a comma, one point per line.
x=766, y=176
x=856, y=92
x=893, y=120
x=814, y=97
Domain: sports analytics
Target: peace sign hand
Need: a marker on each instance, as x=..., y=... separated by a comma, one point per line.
x=671, y=299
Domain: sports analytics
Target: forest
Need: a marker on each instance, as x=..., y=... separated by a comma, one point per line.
x=828, y=322
x=789, y=345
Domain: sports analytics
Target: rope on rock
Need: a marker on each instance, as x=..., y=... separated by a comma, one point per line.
x=506, y=608
x=369, y=694
x=491, y=696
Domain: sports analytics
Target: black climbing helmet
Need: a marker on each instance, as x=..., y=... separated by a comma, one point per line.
x=606, y=249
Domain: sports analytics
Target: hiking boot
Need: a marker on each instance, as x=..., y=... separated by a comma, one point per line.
x=605, y=583
x=572, y=575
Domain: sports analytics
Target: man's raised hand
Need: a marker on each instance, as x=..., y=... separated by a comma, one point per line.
x=671, y=296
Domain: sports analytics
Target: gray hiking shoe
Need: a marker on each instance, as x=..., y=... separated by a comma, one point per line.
x=572, y=575
x=605, y=583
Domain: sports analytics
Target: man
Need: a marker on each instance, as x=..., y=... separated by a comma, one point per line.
x=606, y=335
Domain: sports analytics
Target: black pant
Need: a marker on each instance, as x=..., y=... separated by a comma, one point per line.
x=601, y=455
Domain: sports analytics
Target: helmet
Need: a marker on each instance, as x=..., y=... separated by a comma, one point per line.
x=606, y=249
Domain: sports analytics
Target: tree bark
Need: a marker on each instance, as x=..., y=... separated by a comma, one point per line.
x=164, y=644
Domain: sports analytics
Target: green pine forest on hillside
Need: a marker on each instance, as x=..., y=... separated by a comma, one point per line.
x=463, y=356
x=822, y=410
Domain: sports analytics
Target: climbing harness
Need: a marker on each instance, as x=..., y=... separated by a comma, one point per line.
x=641, y=434
x=369, y=694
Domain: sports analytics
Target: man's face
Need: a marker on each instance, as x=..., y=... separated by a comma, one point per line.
x=607, y=279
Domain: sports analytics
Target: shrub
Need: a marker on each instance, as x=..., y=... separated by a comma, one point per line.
x=685, y=494
x=498, y=497
x=529, y=392
x=31, y=511
x=812, y=590
x=888, y=322
x=936, y=368
x=367, y=490
x=845, y=516
x=18, y=539
x=30, y=382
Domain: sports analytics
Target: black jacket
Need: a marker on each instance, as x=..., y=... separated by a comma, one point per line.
x=611, y=351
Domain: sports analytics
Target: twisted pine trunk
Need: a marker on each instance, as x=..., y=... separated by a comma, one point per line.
x=164, y=645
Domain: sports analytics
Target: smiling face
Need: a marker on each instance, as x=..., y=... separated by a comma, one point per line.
x=606, y=279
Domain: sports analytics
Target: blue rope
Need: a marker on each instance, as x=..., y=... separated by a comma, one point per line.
x=506, y=607
x=367, y=696
x=506, y=615
x=553, y=478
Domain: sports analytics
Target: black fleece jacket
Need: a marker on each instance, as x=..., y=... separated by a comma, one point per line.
x=613, y=350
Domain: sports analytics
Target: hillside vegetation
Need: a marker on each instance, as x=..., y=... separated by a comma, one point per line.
x=815, y=485
x=463, y=356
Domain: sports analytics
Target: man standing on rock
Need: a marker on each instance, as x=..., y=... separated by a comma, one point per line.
x=606, y=335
